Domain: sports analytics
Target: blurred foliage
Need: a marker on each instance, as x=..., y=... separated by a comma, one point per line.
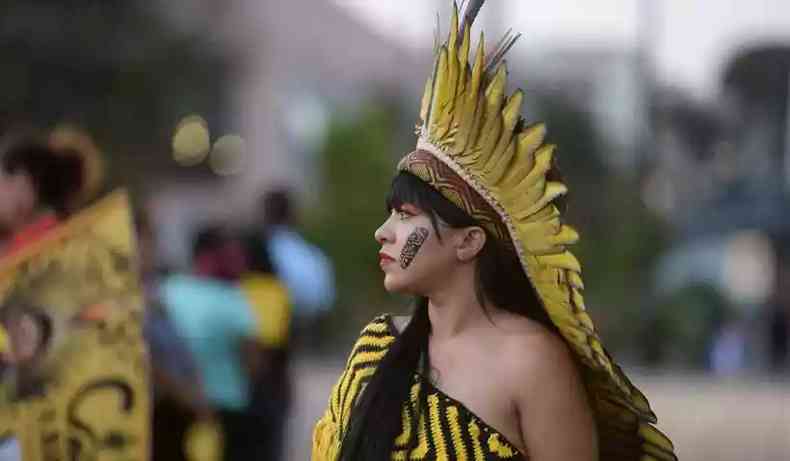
x=679, y=328
x=358, y=160
x=620, y=237
x=112, y=67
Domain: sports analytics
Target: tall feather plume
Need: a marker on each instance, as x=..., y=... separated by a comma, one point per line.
x=504, y=45
x=437, y=34
x=470, y=14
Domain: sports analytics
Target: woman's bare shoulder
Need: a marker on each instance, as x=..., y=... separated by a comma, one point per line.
x=532, y=350
x=546, y=386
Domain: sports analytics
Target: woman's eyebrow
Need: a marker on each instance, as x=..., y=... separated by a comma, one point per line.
x=408, y=207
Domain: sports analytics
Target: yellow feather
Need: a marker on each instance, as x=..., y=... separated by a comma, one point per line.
x=452, y=40
x=446, y=120
x=575, y=280
x=576, y=297
x=502, y=162
x=532, y=236
x=495, y=92
x=477, y=71
x=533, y=137
x=463, y=54
x=470, y=155
x=492, y=124
x=543, y=159
x=564, y=260
x=584, y=319
x=566, y=236
x=461, y=115
x=552, y=191
x=523, y=195
x=466, y=131
x=548, y=213
x=440, y=94
x=510, y=115
x=426, y=99
x=654, y=436
x=528, y=141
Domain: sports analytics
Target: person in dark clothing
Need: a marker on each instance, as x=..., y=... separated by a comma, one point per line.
x=211, y=313
x=270, y=392
x=178, y=400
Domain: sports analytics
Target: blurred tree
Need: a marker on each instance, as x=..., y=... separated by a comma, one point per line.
x=760, y=74
x=680, y=327
x=357, y=161
x=620, y=238
x=758, y=79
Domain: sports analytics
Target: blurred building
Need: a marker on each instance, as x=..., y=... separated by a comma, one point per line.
x=721, y=179
x=606, y=82
x=292, y=63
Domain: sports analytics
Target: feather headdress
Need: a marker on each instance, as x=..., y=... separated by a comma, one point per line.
x=477, y=151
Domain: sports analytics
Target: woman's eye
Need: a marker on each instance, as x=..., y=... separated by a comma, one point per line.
x=403, y=215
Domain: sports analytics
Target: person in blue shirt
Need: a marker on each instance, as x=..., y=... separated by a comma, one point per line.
x=178, y=399
x=304, y=269
x=213, y=317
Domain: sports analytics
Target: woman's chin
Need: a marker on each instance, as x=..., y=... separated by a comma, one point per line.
x=393, y=285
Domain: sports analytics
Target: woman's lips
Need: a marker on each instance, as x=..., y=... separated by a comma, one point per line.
x=385, y=259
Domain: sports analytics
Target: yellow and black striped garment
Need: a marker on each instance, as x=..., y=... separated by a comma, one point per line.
x=447, y=430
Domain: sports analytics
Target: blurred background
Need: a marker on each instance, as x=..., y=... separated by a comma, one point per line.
x=673, y=125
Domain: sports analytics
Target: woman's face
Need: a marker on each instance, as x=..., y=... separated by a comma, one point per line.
x=17, y=200
x=412, y=257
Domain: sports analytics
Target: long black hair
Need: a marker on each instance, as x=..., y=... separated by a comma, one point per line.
x=500, y=281
x=57, y=176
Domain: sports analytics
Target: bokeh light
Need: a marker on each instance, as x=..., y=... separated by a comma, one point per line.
x=228, y=155
x=191, y=140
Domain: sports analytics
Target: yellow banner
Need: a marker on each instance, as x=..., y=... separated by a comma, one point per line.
x=73, y=382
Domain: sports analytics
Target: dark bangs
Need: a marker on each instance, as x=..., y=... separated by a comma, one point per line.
x=408, y=188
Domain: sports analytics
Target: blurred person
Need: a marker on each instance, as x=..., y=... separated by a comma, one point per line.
x=728, y=349
x=42, y=180
x=29, y=333
x=271, y=389
x=499, y=359
x=779, y=310
x=212, y=315
x=779, y=337
x=178, y=400
x=306, y=271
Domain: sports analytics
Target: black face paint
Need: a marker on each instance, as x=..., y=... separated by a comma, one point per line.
x=413, y=244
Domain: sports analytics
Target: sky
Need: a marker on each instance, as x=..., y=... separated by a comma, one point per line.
x=689, y=42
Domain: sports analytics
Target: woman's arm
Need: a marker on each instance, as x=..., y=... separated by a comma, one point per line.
x=556, y=420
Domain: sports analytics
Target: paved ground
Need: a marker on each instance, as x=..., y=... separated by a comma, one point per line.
x=740, y=419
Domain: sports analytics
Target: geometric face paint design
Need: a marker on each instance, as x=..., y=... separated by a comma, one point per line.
x=413, y=244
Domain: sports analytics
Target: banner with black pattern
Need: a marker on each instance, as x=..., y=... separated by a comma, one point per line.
x=71, y=307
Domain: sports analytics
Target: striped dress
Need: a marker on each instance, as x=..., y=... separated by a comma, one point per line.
x=446, y=429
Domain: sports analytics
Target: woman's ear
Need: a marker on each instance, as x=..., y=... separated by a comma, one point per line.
x=472, y=241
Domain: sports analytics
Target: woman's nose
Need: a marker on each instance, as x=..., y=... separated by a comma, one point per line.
x=382, y=235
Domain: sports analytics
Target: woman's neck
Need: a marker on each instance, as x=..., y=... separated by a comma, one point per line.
x=454, y=308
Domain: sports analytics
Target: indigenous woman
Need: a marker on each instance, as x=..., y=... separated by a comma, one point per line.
x=42, y=181
x=500, y=359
